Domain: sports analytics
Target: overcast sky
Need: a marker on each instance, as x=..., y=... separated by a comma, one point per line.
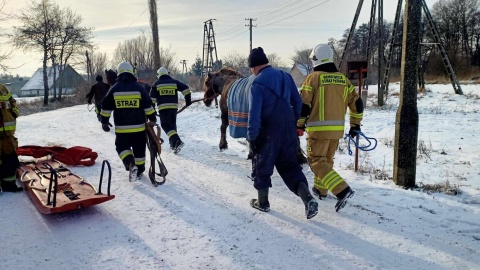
x=281, y=25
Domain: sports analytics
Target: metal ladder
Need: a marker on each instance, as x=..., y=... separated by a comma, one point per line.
x=446, y=62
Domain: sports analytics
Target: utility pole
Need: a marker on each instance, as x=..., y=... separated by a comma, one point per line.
x=209, y=46
x=184, y=67
x=406, y=123
x=250, y=28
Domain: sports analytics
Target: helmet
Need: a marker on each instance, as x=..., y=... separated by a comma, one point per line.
x=162, y=71
x=321, y=54
x=125, y=67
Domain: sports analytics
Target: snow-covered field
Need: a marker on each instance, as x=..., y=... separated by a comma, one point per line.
x=201, y=217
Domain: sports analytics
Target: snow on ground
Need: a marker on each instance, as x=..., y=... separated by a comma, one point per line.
x=201, y=217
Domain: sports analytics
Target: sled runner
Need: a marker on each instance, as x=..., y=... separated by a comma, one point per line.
x=53, y=188
x=154, y=144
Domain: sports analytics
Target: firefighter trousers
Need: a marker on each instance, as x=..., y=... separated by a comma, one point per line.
x=131, y=148
x=8, y=158
x=320, y=153
x=168, y=121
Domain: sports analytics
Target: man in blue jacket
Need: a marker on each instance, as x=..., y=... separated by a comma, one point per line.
x=272, y=134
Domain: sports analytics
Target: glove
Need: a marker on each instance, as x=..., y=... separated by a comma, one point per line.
x=354, y=131
x=300, y=131
x=105, y=127
x=252, y=149
x=15, y=112
x=89, y=101
x=151, y=123
x=188, y=101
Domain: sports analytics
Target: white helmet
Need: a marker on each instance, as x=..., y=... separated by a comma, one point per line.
x=124, y=67
x=162, y=71
x=321, y=54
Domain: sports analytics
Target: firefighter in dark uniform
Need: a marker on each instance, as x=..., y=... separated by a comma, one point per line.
x=131, y=106
x=164, y=93
x=98, y=91
x=8, y=143
x=326, y=94
x=274, y=110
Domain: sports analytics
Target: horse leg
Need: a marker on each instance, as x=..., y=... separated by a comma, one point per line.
x=223, y=129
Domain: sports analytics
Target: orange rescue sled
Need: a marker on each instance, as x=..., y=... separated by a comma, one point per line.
x=53, y=188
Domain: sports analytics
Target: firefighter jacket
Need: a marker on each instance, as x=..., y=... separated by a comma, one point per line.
x=8, y=112
x=98, y=90
x=165, y=90
x=130, y=105
x=327, y=95
x=269, y=84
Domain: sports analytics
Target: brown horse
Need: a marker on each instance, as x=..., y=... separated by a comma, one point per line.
x=219, y=84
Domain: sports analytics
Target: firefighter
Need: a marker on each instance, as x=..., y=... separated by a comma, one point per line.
x=274, y=110
x=131, y=106
x=98, y=90
x=326, y=93
x=164, y=93
x=8, y=143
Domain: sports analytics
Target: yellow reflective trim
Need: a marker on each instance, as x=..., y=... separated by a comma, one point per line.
x=351, y=88
x=125, y=153
x=322, y=103
x=171, y=133
x=306, y=88
x=134, y=96
x=356, y=115
x=345, y=94
x=6, y=97
x=105, y=114
x=325, y=128
x=167, y=107
x=186, y=92
x=333, y=79
x=130, y=130
x=149, y=112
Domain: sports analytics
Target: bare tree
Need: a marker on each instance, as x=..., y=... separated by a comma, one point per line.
x=275, y=60
x=71, y=39
x=236, y=61
x=302, y=58
x=154, y=25
x=36, y=33
x=140, y=50
x=4, y=55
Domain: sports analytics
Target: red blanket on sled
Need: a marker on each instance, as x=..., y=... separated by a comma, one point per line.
x=76, y=155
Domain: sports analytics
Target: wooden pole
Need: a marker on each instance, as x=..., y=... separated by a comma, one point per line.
x=406, y=124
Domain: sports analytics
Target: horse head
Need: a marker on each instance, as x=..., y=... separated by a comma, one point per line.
x=208, y=88
x=215, y=82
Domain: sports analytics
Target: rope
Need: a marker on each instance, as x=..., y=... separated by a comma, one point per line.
x=197, y=100
x=365, y=148
x=90, y=109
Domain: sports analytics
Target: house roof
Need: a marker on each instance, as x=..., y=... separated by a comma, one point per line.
x=301, y=68
x=36, y=81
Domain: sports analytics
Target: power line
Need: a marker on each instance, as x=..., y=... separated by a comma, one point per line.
x=295, y=14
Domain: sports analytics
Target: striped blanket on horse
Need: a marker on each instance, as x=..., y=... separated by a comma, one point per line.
x=238, y=105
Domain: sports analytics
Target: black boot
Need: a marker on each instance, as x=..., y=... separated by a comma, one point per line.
x=261, y=203
x=311, y=206
x=9, y=186
x=343, y=197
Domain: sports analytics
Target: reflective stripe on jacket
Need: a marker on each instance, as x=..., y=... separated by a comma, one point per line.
x=8, y=112
x=328, y=95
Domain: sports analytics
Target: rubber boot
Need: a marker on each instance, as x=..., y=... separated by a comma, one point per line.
x=261, y=203
x=311, y=206
x=343, y=197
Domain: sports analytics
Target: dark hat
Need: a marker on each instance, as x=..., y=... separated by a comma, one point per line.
x=99, y=78
x=257, y=58
x=111, y=74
